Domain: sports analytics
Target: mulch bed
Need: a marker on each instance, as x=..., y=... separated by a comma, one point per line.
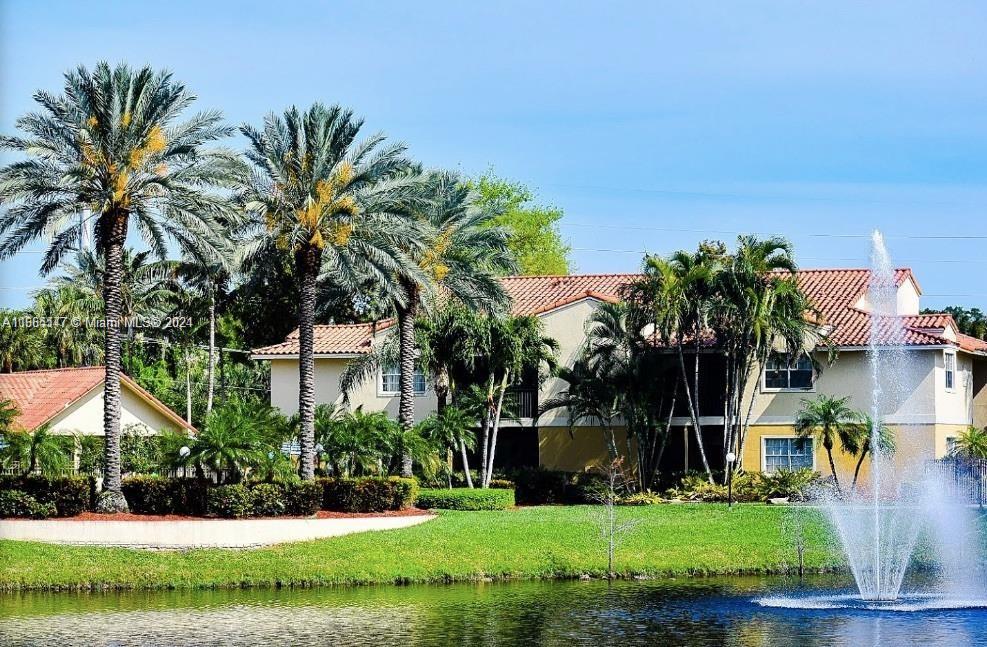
x=321, y=514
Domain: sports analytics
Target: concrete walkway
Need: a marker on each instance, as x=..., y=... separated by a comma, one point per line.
x=195, y=533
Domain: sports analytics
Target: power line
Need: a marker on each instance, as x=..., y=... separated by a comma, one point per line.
x=737, y=232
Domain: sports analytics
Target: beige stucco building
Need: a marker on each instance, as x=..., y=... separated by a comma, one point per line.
x=70, y=401
x=940, y=379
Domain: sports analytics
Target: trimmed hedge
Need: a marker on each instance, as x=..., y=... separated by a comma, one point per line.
x=466, y=499
x=16, y=503
x=162, y=495
x=372, y=494
x=538, y=486
x=68, y=495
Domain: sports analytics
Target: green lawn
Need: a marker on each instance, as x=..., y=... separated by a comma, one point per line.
x=539, y=542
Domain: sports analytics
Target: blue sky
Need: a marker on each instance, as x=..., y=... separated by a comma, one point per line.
x=652, y=124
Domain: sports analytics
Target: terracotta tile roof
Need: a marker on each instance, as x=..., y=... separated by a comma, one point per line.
x=971, y=344
x=41, y=395
x=333, y=339
x=835, y=292
x=538, y=294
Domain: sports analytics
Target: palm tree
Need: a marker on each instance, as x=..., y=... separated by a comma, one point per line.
x=236, y=437
x=464, y=254
x=886, y=443
x=830, y=420
x=972, y=443
x=452, y=428
x=38, y=450
x=21, y=348
x=518, y=346
x=109, y=150
x=589, y=396
x=339, y=207
x=681, y=293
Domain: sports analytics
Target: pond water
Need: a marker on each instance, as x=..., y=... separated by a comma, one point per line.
x=715, y=611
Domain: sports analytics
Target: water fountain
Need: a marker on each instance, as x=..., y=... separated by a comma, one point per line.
x=878, y=524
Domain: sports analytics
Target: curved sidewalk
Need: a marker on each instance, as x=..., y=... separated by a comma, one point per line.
x=195, y=533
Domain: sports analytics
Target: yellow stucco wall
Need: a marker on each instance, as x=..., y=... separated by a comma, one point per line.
x=584, y=450
x=914, y=444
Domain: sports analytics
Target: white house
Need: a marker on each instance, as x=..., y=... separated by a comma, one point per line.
x=70, y=401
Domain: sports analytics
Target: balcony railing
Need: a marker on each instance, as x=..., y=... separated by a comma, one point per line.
x=520, y=402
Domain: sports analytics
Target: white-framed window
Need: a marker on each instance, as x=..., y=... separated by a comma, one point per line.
x=291, y=447
x=783, y=373
x=390, y=380
x=787, y=453
x=950, y=363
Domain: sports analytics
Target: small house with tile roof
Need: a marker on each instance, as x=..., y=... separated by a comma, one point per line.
x=941, y=380
x=70, y=401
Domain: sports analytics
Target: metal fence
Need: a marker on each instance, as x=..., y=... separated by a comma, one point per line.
x=964, y=478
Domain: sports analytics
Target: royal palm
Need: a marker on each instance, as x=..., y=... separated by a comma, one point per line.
x=111, y=151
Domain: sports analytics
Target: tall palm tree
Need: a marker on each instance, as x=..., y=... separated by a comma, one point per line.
x=830, y=420
x=463, y=255
x=678, y=293
x=109, y=150
x=339, y=207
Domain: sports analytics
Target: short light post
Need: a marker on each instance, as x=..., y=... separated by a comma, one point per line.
x=731, y=457
x=319, y=450
x=184, y=453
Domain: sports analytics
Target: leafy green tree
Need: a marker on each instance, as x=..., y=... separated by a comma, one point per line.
x=970, y=321
x=338, y=206
x=8, y=414
x=109, y=150
x=533, y=230
x=830, y=421
x=356, y=443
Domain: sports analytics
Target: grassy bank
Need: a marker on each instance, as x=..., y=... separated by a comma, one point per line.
x=526, y=543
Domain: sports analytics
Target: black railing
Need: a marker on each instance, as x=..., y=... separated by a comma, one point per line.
x=520, y=402
x=965, y=478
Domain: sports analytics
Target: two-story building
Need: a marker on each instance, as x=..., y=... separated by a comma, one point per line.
x=940, y=378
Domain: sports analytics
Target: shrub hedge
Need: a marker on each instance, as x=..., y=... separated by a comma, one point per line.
x=373, y=494
x=466, y=499
x=538, y=486
x=162, y=495
x=67, y=495
x=749, y=487
x=229, y=501
x=16, y=503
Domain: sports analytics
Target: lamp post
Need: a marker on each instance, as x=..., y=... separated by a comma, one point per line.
x=731, y=457
x=184, y=453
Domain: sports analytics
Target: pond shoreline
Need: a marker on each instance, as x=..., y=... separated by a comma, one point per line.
x=536, y=543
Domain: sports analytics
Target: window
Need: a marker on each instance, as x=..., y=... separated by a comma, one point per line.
x=782, y=374
x=787, y=454
x=950, y=371
x=390, y=380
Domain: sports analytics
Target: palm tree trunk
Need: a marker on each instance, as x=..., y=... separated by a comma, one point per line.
x=496, y=427
x=692, y=412
x=188, y=386
x=115, y=228
x=485, y=428
x=211, y=370
x=441, y=385
x=466, y=464
x=856, y=471
x=406, y=399
x=308, y=262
